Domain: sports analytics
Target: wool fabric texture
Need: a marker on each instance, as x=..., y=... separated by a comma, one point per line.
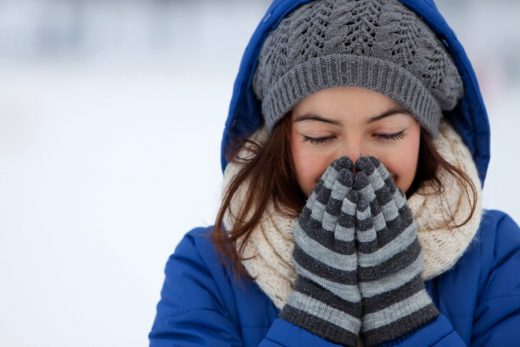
x=326, y=298
x=375, y=44
x=395, y=301
x=268, y=251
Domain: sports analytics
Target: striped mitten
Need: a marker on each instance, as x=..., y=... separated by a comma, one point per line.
x=395, y=301
x=326, y=299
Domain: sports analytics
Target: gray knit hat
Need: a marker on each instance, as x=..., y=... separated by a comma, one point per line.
x=375, y=44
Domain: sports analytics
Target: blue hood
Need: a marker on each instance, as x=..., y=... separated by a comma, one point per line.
x=469, y=117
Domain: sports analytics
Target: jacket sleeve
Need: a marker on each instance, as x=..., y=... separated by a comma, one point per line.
x=438, y=333
x=286, y=334
x=197, y=310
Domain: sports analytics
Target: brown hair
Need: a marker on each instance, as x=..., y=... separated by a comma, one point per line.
x=271, y=168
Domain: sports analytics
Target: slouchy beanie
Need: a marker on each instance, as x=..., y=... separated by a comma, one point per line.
x=376, y=44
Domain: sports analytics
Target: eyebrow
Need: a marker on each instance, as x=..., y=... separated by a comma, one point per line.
x=391, y=112
x=316, y=118
x=372, y=119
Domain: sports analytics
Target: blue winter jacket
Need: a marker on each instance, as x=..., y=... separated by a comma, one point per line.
x=479, y=298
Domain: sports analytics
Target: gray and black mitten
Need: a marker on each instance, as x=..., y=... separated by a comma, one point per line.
x=326, y=298
x=395, y=301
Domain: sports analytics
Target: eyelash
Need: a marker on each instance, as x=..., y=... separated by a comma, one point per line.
x=383, y=137
x=317, y=140
x=391, y=137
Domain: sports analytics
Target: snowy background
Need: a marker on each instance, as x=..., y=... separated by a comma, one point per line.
x=111, y=114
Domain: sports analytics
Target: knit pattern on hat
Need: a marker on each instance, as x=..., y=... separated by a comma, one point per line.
x=268, y=252
x=375, y=44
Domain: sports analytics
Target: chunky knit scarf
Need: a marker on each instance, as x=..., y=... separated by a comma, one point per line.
x=269, y=248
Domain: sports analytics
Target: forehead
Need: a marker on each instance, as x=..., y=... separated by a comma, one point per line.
x=346, y=96
x=347, y=102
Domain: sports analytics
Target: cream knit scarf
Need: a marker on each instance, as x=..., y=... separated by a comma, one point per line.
x=269, y=248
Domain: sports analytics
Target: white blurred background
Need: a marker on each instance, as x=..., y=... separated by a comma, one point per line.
x=111, y=114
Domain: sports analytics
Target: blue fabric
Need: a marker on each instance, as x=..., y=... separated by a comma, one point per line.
x=479, y=299
x=469, y=117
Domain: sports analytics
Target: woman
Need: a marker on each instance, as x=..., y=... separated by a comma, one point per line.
x=357, y=143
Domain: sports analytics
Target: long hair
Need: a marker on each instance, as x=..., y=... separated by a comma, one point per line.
x=269, y=176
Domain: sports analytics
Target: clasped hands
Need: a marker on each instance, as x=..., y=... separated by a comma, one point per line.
x=358, y=259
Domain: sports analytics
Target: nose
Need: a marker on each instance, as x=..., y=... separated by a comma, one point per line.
x=353, y=150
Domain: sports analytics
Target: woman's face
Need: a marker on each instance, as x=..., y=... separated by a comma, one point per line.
x=351, y=121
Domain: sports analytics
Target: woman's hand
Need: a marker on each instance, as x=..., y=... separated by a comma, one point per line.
x=394, y=298
x=326, y=298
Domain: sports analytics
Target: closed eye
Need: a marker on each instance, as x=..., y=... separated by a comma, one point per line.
x=317, y=140
x=391, y=137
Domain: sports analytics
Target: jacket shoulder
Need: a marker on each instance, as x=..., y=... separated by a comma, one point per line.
x=195, y=276
x=196, y=292
x=499, y=228
x=499, y=244
x=198, y=244
x=197, y=252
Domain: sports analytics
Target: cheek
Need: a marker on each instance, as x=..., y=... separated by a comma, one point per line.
x=309, y=166
x=402, y=165
x=403, y=172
